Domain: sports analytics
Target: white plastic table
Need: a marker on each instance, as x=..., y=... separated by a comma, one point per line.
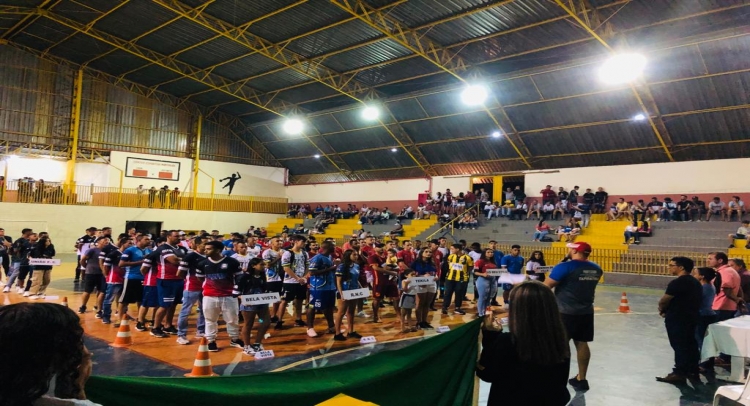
x=731, y=337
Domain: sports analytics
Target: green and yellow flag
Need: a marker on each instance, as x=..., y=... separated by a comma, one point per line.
x=438, y=371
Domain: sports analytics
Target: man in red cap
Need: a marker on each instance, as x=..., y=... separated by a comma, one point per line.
x=575, y=283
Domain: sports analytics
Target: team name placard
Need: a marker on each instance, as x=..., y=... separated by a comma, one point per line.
x=356, y=294
x=44, y=261
x=260, y=299
x=264, y=354
x=421, y=280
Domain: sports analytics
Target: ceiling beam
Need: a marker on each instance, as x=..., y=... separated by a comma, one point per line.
x=660, y=130
x=27, y=20
x=218, y=83
x=443, y=58
x=343, y=84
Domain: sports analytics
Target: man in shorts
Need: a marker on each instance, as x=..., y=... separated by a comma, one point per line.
x=150, y=294
x=272, y=260
x=168, y=285
x=132, y=288
x=193, y=291
x=575, y=283
x=295, y=263
x=93, y=278
x=115, y=278
x=322, y=288
x=384, y=281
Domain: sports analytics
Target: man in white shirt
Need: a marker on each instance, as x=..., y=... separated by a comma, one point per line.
x=547, y=210
x=491, y=209
x=715, y=208
x=735, y=206
x=743, y=233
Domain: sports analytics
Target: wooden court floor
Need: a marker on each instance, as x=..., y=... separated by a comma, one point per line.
x=291, y=345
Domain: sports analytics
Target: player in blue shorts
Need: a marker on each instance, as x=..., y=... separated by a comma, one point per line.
x=322, y=288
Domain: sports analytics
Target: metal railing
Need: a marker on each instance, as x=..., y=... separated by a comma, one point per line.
x=57, y=193
x=451, y=223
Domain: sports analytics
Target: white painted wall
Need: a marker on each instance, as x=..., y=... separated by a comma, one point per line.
x=456, y=184
x=255, y=180
x=50, y=170
x=404, y=189
x=67, y=223
x=715, y=176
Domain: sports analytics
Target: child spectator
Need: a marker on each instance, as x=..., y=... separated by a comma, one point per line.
x=631, y=231
x=743, y=233
x=707, y=315
x=507, y=209
x=252, y=281
x=407, y=302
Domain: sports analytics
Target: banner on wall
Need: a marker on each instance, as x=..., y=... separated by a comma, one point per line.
x=444, y=364
x=152, y=169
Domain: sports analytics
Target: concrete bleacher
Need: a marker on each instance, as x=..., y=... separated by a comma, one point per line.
x=640, y=265
x=342, y=230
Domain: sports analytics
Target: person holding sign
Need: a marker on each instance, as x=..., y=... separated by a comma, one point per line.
x=514, y=263
x=40, y=277
x=272, y=259
x=536, y=261
x=295, y=263
x=219, y=272
x=424, y=266
x=252, y=281
x=575, y=283
x=486, y=285
x=384, y=285
x=457, y=278
x=408, y=301
x=347, y=279
x=322, y=288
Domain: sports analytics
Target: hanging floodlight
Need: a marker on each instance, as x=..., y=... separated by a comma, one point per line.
x=370, y=113
x=316, y=156
x=394, y=149
x=293, y=126
x=622, y=68
x=496, y=134
x=474, y=95
x=639, y=117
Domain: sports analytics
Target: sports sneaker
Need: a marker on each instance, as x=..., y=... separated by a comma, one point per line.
x=311, y=333
x=183, y=340
x=212, y=347
x=200, y=334
x=158, y=333
x=237, y=343
x=35, y=297
x=82, y=310
x=299, y=323
x=170, y=330
x=99, y=314
x=106, y=321
x=426, y=325
x=362, y=314
x=7, y=289
x=459, y=311
x=278, y=325
x=353, y=334
x=579, y=385
x=339, y=337
x=249, y=350
x=140, y=327
x=258, y=347
x=26, y=294
x=445, y=311
x=274, y=319
x=19, y=290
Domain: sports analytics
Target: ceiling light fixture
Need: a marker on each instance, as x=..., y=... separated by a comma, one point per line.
x=622, y=68
x=474, y=95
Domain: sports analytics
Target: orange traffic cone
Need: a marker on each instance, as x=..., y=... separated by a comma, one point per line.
x=202, y=364
x=123, y=338
x=65, y=301
x=624, y=306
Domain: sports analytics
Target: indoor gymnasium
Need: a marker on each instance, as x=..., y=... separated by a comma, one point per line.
x=374, y=202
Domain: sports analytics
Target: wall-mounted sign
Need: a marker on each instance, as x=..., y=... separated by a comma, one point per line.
x=152, y=169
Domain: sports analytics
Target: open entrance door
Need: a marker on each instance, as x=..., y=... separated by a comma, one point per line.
x=496, y=186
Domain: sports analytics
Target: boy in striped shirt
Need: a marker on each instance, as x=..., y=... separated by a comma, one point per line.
x=114, y=276
x=457, y=277
x=193, y=292
x=150, y=296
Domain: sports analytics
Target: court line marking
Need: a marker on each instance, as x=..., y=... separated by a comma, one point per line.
x=230, y=368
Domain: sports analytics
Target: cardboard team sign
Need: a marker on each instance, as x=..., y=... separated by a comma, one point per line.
x=356, y=294
x=260, y=299
x=421, y=280
x=44, y=261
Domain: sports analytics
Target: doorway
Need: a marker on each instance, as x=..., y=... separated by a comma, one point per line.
x=146, y=227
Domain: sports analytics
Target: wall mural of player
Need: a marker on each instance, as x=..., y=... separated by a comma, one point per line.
x=231, y=180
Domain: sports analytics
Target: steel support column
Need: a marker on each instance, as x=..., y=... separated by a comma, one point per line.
x=197, y=158
x=75, y=126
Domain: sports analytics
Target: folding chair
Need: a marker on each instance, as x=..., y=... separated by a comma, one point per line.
x=736, y=393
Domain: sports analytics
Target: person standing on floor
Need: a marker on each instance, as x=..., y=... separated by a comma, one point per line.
x=219, y=272
x=322, y=288
x=513, y=262
x=486, y=286
x=706, y=277
x=680, y=308
x=19, y=262
x=132, y=287
x=575, y=283
x=82, y=245
x=94, y=278
x=169, y=285
x=295, y=263
x=252, y=281
x=115, y=277
x=5, y=243
x=193, y=291
x=40, y=278
x=457, y=278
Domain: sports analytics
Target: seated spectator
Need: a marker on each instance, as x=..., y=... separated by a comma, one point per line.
x=403, y=215
x=264, y=232
x=375, y=216
x=570, y=231
x=623, y=209
x=363, y=211
x=427, y=212
x=285, y=229
x=56, y=359
x=303, y=212
x=631, y=231
x=409, y=212
x=292, y=212
x=535, y=208
x=716, y=208
x=600, y=200
x=519, y=213
x=697, y=209
x=506, y=210
x=743, y=233
x=385, y=215
x=299, y=229
x=318, y=209
x=492, y=210
x=420, y=209
x=638, y=210
x=398, y=230
x=519, y=195
x=559, y=209
x=542, y=229
x=547, y=210
x=668, y=210
x=645, y=229
x=654, y=206
x=735, y=206
x=328, y=210
x=467, y=221
x=337, y=213
x=612, y=213
x=683, y=208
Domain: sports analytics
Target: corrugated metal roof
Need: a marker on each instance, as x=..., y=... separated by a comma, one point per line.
x=469, y=150
x=627, y=135
x=183, y=87
x=175, y=37
x=367, y=55
x=213, y=52
x=448, y=128
x=361, y=139
x=128, y=21
x=292, y=148
x=339, y=37
x=118, y=62
x=298, y=20
x=310, y=166
x=362, y=161
x=710, y=127
x=246, y=67
x=80, y=48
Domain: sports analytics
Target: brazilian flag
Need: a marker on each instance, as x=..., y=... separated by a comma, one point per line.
x=438, y=371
